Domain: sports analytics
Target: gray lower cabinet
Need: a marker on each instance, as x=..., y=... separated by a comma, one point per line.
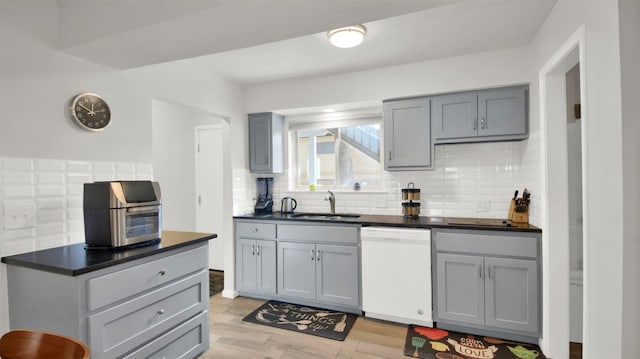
x=256, y=257
x=488, y=281
x=266, y=143
x=322, y=272
x=487, y=115
x=407, y=130
x=305, y=263
x=152, y=307
x=257, y=265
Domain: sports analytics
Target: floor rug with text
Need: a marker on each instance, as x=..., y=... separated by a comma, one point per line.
x=304, y=319
x=425, y=342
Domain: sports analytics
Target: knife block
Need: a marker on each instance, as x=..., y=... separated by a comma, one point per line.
x=519, y=217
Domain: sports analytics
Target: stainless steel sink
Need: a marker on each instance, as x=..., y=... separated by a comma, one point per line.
x=325, y=215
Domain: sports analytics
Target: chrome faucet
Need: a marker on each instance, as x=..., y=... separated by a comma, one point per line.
x=332, y=201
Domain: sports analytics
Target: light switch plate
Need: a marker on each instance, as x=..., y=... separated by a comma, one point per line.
x=19, y=216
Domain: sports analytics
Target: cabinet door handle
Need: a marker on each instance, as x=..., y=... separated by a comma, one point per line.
x=257, y=250
x=318, y=256
x=313, y=257
x=389, y=155
x=475, y=123
x=483, y=123
x=162, y=272
x=253, y=249
x=161, y=311
x=255, y=230
x=489, y=272
x=480, y=271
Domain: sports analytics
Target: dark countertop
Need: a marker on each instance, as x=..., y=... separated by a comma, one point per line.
x=494, y=224
x=74, y=259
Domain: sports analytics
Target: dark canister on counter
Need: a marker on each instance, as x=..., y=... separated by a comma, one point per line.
x=411, y=209
x=411, y=193
x=411, y=201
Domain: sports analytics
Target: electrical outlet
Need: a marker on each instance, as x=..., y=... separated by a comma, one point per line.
x=381, y=203
x=19, y=216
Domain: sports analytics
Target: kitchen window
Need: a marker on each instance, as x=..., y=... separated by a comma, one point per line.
x=337, y=155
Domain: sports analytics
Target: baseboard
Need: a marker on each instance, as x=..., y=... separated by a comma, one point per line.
x=229, y=293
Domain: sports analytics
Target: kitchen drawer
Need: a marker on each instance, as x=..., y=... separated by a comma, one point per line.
x=318, y=234
x=256, y=230
x=184, y=341
x=121, y=328
x=122, y=284
x=486, y=243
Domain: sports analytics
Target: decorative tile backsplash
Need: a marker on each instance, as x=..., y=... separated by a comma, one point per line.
x=469, y=180
x=42, y=199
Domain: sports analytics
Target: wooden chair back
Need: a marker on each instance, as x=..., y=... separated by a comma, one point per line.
x=32, y=344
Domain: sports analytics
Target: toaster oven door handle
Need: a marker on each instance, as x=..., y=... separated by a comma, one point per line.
x=144, y=209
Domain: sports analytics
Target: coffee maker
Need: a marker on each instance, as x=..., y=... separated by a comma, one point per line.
x=264, y=204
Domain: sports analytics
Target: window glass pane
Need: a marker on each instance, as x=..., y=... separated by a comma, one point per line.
x=340, y=157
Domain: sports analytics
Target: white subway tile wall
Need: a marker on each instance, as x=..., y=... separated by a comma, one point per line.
x=50, y=191
x=469, y=180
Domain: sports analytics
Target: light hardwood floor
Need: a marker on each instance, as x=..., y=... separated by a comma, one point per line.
x=233, y=338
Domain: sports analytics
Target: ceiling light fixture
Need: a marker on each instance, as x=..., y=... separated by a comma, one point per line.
x=348, y=36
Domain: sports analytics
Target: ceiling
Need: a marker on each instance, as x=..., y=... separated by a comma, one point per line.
x=254, y=41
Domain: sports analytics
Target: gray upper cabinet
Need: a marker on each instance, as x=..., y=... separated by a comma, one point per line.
x=455, y=116
x=407, y=135
x=489, y=281
x=266, y=143
x=487, y=115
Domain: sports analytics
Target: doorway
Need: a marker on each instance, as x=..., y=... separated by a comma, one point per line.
x=562, y=176
x=209, y=190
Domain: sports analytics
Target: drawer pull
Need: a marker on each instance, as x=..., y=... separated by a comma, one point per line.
x=312, y=255
x=161, y=311
x=255, y=230
x=162, y=272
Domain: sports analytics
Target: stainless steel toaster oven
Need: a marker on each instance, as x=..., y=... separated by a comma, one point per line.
x=121, y=213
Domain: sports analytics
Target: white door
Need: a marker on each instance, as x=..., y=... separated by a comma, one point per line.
x=209, y=215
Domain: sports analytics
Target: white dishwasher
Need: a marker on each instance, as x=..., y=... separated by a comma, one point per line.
x=396, y=274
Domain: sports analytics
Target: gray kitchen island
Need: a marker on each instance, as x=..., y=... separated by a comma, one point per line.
x=148, y=300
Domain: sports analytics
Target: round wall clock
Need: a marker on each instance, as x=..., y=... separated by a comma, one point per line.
x=90, y=111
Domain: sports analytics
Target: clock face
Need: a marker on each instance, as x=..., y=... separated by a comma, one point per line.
x=90, y=111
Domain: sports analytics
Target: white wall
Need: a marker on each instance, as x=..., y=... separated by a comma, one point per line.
x=174, y=161
x=630, y=60
x=36, y=81
x=603, y=176
x=489, y=69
